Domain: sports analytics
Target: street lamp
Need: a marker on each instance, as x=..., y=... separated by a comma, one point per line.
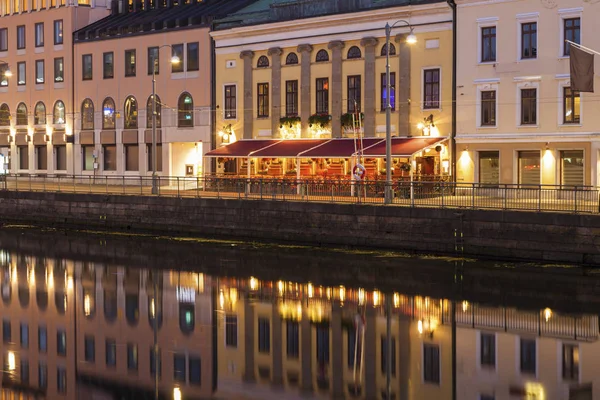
x=174, y=60
x=410, y=39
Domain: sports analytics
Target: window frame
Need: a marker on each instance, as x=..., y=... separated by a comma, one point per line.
x=58, y=32
x=439, y=364
x=152, y=54
x=354, y=53
x=263, y=62
x=60, y=74
x=484, y=37
x=130, y=120
x=524, y=369
x=4, y=35
x=85, y=127
x=39, y=43
x=291, y=98
x=524, y=20
x=484, y=103
x=228, y=111
x=182, y=111
x=21, y=45
x=356, y=89
x=84, y=75
x=319, y=56
x=533, y=111
x=105, y=70
x=478, y=165
x=490, y=361
x=231, y=331
x=432, y=104
x=564, y=29
x=105, y=102
x=189, y=61
x=574, y=94
x=262, y=93
x=149, y=104
x=37, y=121
x=322, y=96
x=22, y=74
x=43, y=64
x=177, y=51
x=130, y=68
x=392, y=91
x=561, y=166
x=54, y=112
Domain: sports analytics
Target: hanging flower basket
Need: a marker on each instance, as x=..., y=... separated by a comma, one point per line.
x=347, y=120
x=405, y=167
x=319, y=120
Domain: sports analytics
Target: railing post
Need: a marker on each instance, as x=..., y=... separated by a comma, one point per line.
x=473, y=195
x=505, y=196
x=58, y=182
x=442, y=189
x=197, y=187
x=539, y=198
x=575, y=199
x=123, y=184
x=106, y=182
x=412, y=193
x=261, y=188
x=74, y=189
x=44, y=183
x=141, y=186
x=218, y=189
x=90, y=183
x=30, y=183
x=178, y=187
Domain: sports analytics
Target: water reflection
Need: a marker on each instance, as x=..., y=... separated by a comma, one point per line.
x=240, y=337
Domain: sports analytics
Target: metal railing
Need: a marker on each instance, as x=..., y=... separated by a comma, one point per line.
x=435, y=194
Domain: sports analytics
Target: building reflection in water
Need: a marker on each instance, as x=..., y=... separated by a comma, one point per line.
x=78, y=330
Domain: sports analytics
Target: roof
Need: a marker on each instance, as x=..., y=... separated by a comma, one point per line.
x=241, y=148
x=289, y=148
x=403, y=147
x=196, y=13
x=339, y=148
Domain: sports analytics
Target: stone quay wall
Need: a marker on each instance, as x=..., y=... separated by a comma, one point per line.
x=509, y=235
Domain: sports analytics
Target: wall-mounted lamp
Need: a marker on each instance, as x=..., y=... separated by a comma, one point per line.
x=427, y=127
x=547, y=145
x=225, y=134
x=426, y=327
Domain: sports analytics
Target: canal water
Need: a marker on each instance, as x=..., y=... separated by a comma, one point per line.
x=91, y=315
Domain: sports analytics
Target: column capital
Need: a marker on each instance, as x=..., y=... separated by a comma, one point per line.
x=275, y=51
x=369, y=42
x=304, y=48
x=336, y=44
x=247, y=54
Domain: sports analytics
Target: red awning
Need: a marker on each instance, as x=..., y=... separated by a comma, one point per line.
x=338, y=148
x=289, y=148
x=241, y=148
x=402, y=147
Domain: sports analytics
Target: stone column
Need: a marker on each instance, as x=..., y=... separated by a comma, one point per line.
x=403, y=102
x=370, y=345
x=337, y=351
x=306, y=355
x=405, y=357
x=249, y=330
x=336, y=47
x=277, y=348
x=248, y=56
x=275, y=54
x=370, y=102
x=305, y=85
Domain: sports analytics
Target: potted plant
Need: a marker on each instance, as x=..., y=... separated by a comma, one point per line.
x=347, y=119
x=319, y=120
x=289, y=121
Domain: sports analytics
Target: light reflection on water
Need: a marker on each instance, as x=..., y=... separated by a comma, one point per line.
x=81, y=325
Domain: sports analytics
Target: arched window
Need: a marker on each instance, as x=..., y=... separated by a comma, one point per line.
x=4, y=115
x=130, y=110
x=24, y=296
x=108, y=114
x=60, y=301
x=87, y=115
x=149, y=112
x=354, y=52
x=21, y=114
x=322, y=56
x=291, y=59
x=185, y=111
x=263, y=62
x=59, y=112
x=39, y=115
x=41, y=298
x=392, y=50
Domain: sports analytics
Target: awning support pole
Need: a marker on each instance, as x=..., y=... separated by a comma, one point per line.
x=248, y=166
x=412, y=185
x=298, y=183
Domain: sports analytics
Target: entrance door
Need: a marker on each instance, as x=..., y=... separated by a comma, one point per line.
x=426, y=166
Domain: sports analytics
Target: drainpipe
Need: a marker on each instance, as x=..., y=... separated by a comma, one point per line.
x=213, y=101
x=72, y=98
x=452, y=5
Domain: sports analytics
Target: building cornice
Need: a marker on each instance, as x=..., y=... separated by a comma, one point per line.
x=520, y=137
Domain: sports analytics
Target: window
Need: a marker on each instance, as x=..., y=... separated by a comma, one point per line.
x=153, y=363
x=291, y=59
x=195, y=367
x=21, y=37
x=42, y=339
x=230, y=102
x=111, y=352
x=39, y=116
x=6, y=331
x=25, y=371
x=149, y=106
x=231, y=330
x=392, y=91
x=571, y=106
x=177, y=51
x=129, y=62
x=158, y=159
x=431, y=88
x=108, y=114
x=42, y=376
x=322, y=344
x=291, y=98
x=108, y=71
x=89, y=351
x=179, y=367
x=59, y=113
x=110, y=157
x=87, y=115
x=193, y=57
x=21, y=114
x=185, y=111
x=571, y=167
x=264, y=335
x=86, y=61
x=24, y=333
x=528, y=106
x=88, y=158
x=384, y=355
x=572, y=32
x=58, y=31
x=528, y=356
x=130, y=110
x=570, y=362
x=21, y=73
x=488, y=108
x=392, y=50
x=489, y=171
x=39, y=34
x=529, y=167
x=132, y=357
x=39, y=71
x=60, y=154
x=488, y=350
x=354, y=52
x=187, y=318
x=61, y=379
x=293, y=339
x=4, y=115
x=322, y=56
x=431, y=363
x=61, y=343
x=353, y=93
x=529, y=40
x=152, y=60
x=3, y=77
x=263, y=62
x=488, y=44
x=322, y=93
x=263, y=100
x=4, y=39
x=59, y=71
x=41, y=153
x=23, y=156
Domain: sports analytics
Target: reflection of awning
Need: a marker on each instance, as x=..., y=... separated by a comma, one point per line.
x=402, y=147
x=289, y=148
x=241, y=148
x=338, y=148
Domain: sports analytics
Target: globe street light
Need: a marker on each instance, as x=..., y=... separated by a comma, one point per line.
x=410, y=39
x=174, y=60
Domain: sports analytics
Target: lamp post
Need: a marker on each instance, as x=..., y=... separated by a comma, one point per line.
x=410, y=39
x=174, y=60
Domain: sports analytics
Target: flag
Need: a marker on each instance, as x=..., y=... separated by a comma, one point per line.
x=582, y=69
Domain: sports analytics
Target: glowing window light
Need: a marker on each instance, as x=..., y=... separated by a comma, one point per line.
x=253, y=283
x=311, y=291
x=87, y=307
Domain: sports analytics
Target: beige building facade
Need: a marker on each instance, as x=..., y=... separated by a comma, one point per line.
x=518, y=121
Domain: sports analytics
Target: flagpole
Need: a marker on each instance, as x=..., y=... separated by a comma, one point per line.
x=582, y=47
